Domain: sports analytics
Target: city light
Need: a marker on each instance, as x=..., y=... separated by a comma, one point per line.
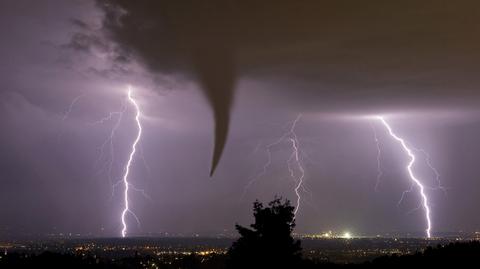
x=347, y=235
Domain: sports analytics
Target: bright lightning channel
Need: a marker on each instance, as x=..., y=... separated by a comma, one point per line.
x=299, y=180
x=291, y=137
x=415, y=180
x=109, y=159
x=129, y=162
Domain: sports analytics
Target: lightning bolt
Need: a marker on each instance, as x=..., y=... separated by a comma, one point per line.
x=109, y=141
x=414, y=179
x=294, y=160
x=69, y=110
x=428, y=162
x=125, y=181
x=66, y=115
x=299, y=179
x=108, y=159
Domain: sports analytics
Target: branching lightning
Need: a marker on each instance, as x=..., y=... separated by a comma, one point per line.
x=299, y=179
x=67, y=113
x=109, y=158
x=428, y=162
x=294, y=163
x=129, y=162
x=415, y=180
x=109, y=141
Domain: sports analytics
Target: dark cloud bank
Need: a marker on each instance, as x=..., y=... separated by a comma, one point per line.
x=327, y=55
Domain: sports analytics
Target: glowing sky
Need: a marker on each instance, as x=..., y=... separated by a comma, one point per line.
x=416, y=63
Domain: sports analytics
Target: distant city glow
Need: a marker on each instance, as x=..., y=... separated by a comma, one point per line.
x=347, y=235
x=328, y=234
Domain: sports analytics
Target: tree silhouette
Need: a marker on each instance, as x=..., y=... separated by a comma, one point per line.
x=269, y=244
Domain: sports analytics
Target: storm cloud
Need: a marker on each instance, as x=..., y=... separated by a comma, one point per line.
x=261, y=63
x=321, y=55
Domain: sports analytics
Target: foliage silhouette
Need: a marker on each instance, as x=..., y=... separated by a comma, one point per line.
x=454, y=254
x=269, y=244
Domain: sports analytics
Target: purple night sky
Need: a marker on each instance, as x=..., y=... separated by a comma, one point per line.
x=217, y=83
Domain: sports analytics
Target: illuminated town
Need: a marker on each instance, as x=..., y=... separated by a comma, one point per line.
x=149, y=251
